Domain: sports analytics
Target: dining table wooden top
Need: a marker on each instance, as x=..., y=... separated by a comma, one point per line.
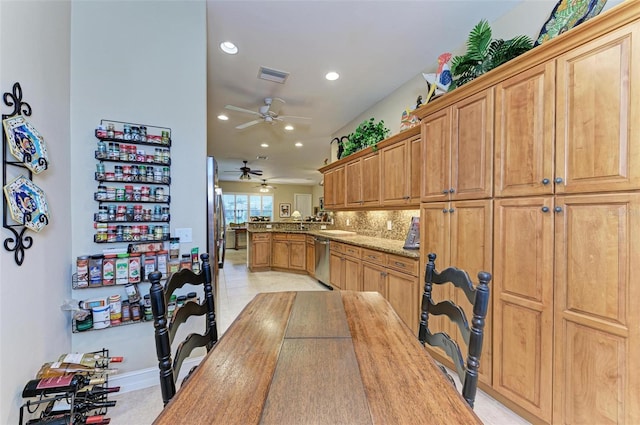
x=325, y=357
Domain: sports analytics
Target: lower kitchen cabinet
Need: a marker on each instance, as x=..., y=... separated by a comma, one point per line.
x=260, y=250
x=310, y=256
x=374, y=278
x=288, y=251
x=345, y=267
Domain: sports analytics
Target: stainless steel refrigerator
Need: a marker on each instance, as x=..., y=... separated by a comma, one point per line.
x=215, y=223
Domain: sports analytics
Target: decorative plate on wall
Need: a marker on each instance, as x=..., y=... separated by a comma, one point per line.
x=27, y=203
x=566, y=15
x=25, y=143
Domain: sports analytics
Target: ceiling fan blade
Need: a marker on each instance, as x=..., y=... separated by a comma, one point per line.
x=293, y=118
x=248, y=124
x=256, y=172
x=235, y=108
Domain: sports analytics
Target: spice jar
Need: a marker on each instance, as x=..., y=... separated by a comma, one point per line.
x=126, y=311
x=115, y=309
x=95, y=270
x=185, y=261
x=101, y=194
x=171, y=306
x=162, y=262
x=135, y=312
x=133, y=293
x=82, y=270
x=149, y=263
x=148, y=313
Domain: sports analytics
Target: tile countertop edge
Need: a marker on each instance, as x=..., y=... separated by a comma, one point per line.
x=378, y=244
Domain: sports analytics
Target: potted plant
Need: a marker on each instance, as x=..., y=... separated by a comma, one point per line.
x=484, y=54
x=367, y=134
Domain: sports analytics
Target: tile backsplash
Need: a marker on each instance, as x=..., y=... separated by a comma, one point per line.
x=374, y=223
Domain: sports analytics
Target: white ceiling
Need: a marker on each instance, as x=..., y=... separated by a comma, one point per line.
x=376, y=46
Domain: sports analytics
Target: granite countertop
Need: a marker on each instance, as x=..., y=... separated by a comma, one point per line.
x=378, y=244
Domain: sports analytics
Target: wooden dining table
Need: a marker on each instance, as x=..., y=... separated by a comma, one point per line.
x=325, y=357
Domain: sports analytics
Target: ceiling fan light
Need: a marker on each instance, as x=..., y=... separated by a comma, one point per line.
x=298, y=144
x=223, y=117
x=245, y=177
x=288, y=127
x=264, y=189
x=228, y=47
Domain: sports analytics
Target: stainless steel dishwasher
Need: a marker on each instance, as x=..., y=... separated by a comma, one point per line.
x=322, y=260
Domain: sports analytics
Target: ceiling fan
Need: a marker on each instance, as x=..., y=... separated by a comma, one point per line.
x=265, y=113
x=246, y=172
x=264, y=187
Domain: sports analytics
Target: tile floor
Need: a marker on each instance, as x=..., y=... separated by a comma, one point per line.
x=236, y=288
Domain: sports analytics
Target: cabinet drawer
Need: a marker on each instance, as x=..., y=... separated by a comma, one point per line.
x=351, y=250
x=279, y=236
x=404, y=264
x=260, y=236
x=294, y=237
x=336, y=247
x=374, y=256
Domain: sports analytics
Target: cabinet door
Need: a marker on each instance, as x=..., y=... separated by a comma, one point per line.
x=403, y=293
x=352, y=274
x=335, y=270
x=597, y=124
x=329, y=195
x=524, y=143
x=371, y=180
x=353, y=179
x=310, y=259
x=597, y=336
x=261, y=254
x=297, y=250
x=280, y=255
x=471, y=250
x=395, y=177
x=374, y=278
x=339, y=187
x=472, y=147
x=415, y=174
x=522, y=287
x=436, y=156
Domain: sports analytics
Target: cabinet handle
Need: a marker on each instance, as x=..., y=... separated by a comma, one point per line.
x=545, y=181
x=405, y=197
x=452, y=190
x=445, y=191
x=399, y=264
x=445, y=210
x=558, y=209
x=558, y=180
x=451, y=210
x=545, y=209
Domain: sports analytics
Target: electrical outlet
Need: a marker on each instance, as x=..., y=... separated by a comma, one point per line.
x=348, y=222
x=269, y=226
x=323, y=227
x=185, y=234
x=389, y=224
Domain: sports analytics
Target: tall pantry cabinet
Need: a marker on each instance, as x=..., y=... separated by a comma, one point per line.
x=566, y=221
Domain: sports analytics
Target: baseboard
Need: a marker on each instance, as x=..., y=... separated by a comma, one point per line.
x=149, y=377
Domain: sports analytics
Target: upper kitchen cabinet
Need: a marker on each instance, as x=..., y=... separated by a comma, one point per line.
x=334, y=188
x=362, y=179
x=401, y=169
x=458, y=150
x=597, y=114
x=524, y=117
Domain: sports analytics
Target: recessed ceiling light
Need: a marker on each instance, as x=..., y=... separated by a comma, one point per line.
x=229, y=47
x=332, y=76
x=288, y=127
x=298, y=144
x=223, y=117
x=264, y=145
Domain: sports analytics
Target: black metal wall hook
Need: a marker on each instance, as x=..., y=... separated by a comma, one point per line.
x=15, y=99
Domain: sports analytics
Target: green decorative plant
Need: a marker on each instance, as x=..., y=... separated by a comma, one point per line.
x=367, y=134
x=484, y=54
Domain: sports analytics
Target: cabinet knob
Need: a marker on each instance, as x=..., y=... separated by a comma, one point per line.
x=445, y=191
x=452, y=190
x=558, y=209
x=545, y=209
x=444, y=210
x=558, y=180
x=545, y=181
x=451, y=210
x=406, y=197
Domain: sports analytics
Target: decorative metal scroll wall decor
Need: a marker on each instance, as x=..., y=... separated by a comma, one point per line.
x=19, y=242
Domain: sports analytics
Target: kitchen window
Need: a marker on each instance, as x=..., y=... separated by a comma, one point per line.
x=238, y=207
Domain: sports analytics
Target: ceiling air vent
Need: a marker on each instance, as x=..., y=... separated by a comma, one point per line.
x=272, y=75
x=262, y=157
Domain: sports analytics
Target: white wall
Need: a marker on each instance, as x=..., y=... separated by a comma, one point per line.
x=34, y=50
x=141, y=62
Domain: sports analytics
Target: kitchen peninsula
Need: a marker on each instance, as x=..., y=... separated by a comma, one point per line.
x=352, y=261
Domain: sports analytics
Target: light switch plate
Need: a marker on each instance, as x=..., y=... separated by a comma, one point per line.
x=323, y=227
x=185, y=234
x=389, y=225
x=269, y=226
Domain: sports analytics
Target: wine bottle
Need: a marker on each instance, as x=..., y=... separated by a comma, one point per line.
x=89, y=359
x=66, y=419
x=50, y=370
x=63, y=406
x=95, y=391
x=58, y=384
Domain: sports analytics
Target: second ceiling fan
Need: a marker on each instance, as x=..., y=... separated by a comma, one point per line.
x=266, y=114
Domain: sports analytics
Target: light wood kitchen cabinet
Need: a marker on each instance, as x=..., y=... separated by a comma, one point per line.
x=460, y=233
x=457, y=145
x=288, y=251
x=374, y=278
x=345, y=267
x=596, y=316
x=334, y=188
x=597, y=125
x=524, y=136
x=310, y=256
x=362, y=180
x=398, y=171
x=260, y=251
x=522, y=285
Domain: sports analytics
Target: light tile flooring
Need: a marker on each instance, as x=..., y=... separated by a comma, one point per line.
x=237, y=286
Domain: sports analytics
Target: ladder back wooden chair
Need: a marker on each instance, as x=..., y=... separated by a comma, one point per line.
x=478, y=296
x=165, y=328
